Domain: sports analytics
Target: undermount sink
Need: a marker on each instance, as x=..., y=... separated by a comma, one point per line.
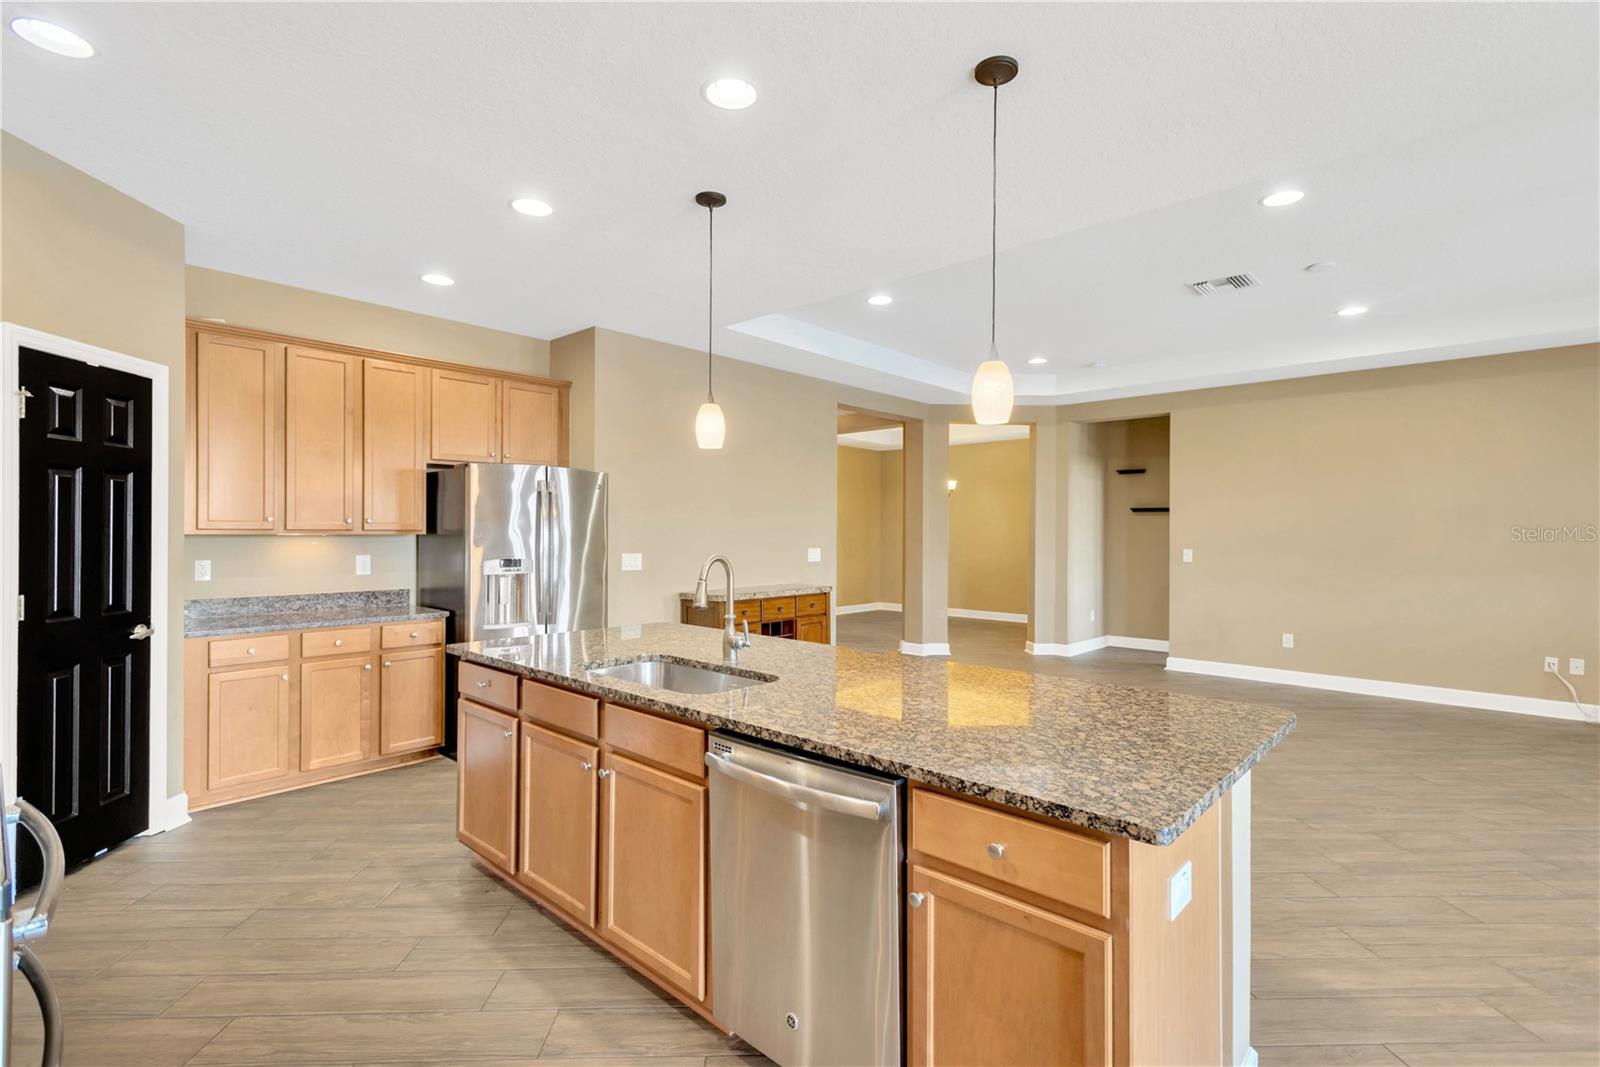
x=678, y=677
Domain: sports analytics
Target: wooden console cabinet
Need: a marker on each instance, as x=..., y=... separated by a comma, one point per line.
x=805, y=617
x=270, y=712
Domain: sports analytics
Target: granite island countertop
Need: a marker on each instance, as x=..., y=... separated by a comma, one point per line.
x=1139, y=763
x=758, y=592
x=222, y=616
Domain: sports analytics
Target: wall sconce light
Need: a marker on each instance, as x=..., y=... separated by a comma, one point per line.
x=950, y=486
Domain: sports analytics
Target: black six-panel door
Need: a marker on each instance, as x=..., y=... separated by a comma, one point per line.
x=83, y=663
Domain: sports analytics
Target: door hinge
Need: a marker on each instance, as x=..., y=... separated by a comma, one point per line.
x=22, y=607
x=22, y=402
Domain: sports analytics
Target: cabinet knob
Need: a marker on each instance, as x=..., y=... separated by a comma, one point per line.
x=366, y=667
x=285, y=677
x=506, y=733
x=915, y=899
x=483, y=685
x=414, y=633
x=269, y=518
x=491, y=455
x=388, y=663
x=603, y=772
x=585, y=766
x=369, y=519
x=250, y=651
x=348, y=520
x=338, y=642
x=996, y=849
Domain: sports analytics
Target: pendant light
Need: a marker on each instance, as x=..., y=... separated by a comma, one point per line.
x=992, y=391
x=709, y=427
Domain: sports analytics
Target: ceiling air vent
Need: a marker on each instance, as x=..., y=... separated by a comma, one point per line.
x=1220, y=285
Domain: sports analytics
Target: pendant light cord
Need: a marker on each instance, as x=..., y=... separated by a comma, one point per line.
x=994, y=212
x=711, y=262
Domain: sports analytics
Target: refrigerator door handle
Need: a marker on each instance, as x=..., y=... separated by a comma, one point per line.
x=542, y=507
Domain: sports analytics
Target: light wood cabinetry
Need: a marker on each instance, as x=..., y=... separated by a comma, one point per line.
x=559, y=820
x=293, y=436
x=806, y=617
x=993, y=981
x=279, y=711
x=321, y=464
x=413, y=716
x=466, y=417
x=486, y=781
x=235, y=390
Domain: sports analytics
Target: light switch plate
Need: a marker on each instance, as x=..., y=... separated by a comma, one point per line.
x=202, y=570
x=1180, y=890
x=1575, y=667
x=813, y=555
x=1188, y=555
x=1288, y=640
x=363, y=564
x=633, y=561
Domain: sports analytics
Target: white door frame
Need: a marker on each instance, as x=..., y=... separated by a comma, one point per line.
x=165, y=812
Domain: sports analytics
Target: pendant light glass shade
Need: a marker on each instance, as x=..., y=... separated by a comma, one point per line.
x=709, y=427
x=992, y=392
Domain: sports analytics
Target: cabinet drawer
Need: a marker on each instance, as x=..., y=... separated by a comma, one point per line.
x=777, y=607
x=1054, y=863
x=746, y=611
x=671, y=744
x=812, y=604
x=257, y=648
x=573, y=713
x=327, y=642
x=487, y=686
x=413, y=634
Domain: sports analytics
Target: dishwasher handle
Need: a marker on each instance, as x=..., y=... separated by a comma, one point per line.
x=799, y=794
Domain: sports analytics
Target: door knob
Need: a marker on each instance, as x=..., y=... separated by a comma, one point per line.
x=915, y=899
x=996, y=849
x=141, y=632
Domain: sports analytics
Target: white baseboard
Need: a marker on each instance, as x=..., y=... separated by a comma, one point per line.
x=171, y=814
x=1147, y=644
x=992, y=616
x=856, y=609
x=1075, y=648
x=932, y=649
x=1426, y=694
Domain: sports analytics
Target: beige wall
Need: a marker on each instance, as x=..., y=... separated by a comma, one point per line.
x=870, y=526
x=80, y=260
x=989, y=511
x=1136, y=543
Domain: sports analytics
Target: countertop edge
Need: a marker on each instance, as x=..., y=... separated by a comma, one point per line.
x=267, y=625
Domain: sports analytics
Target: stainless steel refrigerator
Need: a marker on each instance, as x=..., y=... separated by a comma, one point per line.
x=513, y=551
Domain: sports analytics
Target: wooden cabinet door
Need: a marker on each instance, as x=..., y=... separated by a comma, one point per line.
x=393, y=461
x=320, y=465
x=560, y=820
x=247, y=726
x=814, y=630
x=530, y=421
x=411, y=701
x=466, y=424
x=652, y=880
x=486, y=783
x=335, y=711
x=237, y=413
x=991, y=980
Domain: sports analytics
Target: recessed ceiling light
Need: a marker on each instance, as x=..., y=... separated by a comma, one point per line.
x=730, y=94
x=52, y=38
x=528, y=206
x=1098, y=364
x=438, y=279
x=879, y=300
x=1038, y=361
x=1320, y=266
x=1352, y=311
x=1282, y=198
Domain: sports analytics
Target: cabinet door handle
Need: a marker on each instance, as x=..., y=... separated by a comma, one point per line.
x=915, y=899
x=285, y=677
x=585, y=766
x=508, y=733
x=996, y=849
x=603, y=772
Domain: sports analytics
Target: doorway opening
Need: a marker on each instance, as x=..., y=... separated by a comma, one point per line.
x=990, y=496
x=870, y=550
x=1137, y=455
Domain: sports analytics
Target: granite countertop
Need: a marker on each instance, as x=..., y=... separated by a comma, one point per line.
x=756, y=592
x=220, y=616
x=1139, y=763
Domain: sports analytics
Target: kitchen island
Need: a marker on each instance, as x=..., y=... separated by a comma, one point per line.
x=1111, y=925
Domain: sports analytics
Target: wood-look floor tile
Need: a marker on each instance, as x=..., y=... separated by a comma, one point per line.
x=1382, y=978
x=1286, y=884
x=263, y=868
x=1479, y=861
x=1378, y=1020
x=318, y=955
x=334, y=893
x=1557, y=974
x=471, y=952
x=1482, y=940
x=483, y=892
x=589, y=987
x=1326, y=1056
x=1580, y=911
x=1558, y=1018
x=369, y=922
x=1540, y=1054
x=100, y=995
x=119, y=924
x=1364, y=911
x=630, y=1032
x=1434, y=884
x=62, y=957
x=365, y=1038
x=296, y=994
x=118, y=1041
x=1304, y=942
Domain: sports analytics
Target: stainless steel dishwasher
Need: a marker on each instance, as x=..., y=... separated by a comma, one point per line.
x=805, y=905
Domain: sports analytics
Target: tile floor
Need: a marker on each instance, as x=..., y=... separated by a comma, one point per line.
x=1427, y=891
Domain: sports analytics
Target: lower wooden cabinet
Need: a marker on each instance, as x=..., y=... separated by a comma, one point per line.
x=486, y=783
x=559, y=820
x=653, y=869
x=994, y=981
x=413, y=713
x=335, y=711
x=247, y=726
x=814, y=630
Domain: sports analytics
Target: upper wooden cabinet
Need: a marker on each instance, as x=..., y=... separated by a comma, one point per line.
x=530, y=418
x=393, y=461
x=466, y=417
x=236, y=391
x=322, y=463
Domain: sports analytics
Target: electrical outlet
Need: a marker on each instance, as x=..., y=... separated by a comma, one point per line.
x=633, y=561
x=1288, y=640
x=813, y=555
x=632, y=631
x=1575, y=667
x=202, y=570
x=1188, y=555
x=363, y=564
x=1552, y=664
x=1180, y=890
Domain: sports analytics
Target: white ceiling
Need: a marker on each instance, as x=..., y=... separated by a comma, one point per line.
x=1448, y=153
